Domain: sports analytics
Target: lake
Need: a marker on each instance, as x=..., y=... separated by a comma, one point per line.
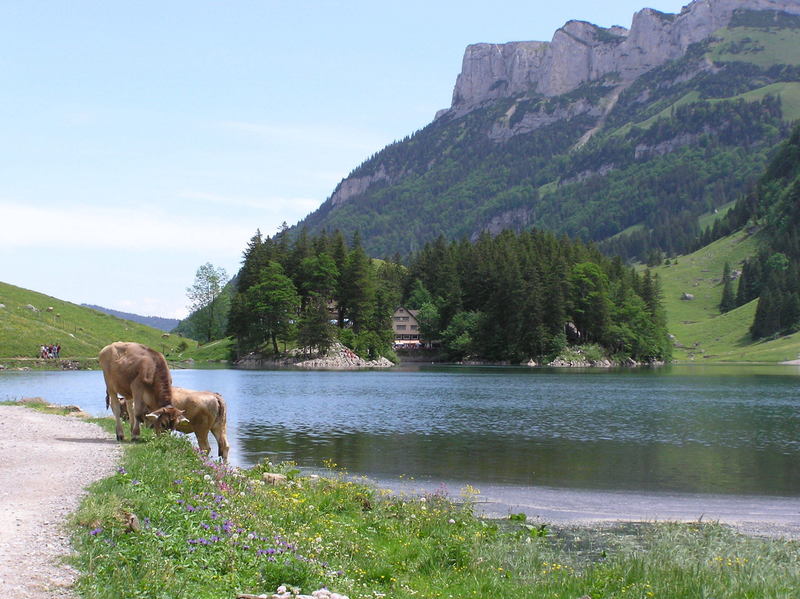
x=725, y=430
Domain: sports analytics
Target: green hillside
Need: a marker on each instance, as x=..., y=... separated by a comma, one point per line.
x=701, y=332
x=81, y=331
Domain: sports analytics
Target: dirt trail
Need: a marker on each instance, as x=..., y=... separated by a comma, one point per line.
x=46, y=462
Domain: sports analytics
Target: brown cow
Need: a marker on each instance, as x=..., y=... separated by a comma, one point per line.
x=205, y=411
x=141, y=376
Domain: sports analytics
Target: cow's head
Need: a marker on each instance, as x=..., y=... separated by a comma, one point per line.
x=170, y=418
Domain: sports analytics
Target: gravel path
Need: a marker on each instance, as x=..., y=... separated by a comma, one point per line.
x=46, y=462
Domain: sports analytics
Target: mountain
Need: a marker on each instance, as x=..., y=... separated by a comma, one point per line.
x=157, y=322
x=622, y=137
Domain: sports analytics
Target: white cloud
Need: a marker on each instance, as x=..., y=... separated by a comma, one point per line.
x=84, y=226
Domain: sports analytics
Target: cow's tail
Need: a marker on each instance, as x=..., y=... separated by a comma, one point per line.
x=222, y=416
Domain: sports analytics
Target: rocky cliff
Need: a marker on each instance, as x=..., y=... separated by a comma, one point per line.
x=581, y=52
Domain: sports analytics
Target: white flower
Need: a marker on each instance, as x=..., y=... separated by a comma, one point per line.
x=451, y=521
x=207, y=477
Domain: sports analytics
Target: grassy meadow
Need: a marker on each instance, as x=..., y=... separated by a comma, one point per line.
x=701, y=332
x=81, y=331
x=172, y=523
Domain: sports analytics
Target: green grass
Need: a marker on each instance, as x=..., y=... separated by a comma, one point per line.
x=709, y=218
x=207, y=531
x=701, y=332
x=757, y=46
x=82, y=332
x=789, y=93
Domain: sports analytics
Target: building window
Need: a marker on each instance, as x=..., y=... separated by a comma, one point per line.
x=401, y=327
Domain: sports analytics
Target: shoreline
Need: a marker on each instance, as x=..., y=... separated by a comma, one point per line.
x=753, y=515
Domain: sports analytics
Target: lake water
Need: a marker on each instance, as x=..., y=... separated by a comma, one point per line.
x=726, y=430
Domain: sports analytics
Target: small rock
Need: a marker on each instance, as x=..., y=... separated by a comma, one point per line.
x=133, y=523
x=274, y=478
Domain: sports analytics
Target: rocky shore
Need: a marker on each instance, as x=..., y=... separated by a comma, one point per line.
x=338, y=357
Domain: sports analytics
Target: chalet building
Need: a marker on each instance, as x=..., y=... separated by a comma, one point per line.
x=406, y=328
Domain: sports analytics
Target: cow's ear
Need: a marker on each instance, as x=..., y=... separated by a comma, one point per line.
x=151, y=417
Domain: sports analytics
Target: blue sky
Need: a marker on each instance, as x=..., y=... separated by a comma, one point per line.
x=139, y=140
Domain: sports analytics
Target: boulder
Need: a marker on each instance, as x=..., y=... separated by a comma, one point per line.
x=687, y=296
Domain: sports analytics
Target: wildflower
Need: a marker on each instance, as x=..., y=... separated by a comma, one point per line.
x=451, y=521
x=122, y=470
x=96, y=531
x=136, y=482
x=207, y=477
x=177, y=481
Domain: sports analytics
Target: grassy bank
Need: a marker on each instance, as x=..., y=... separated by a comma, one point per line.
x=29, y=320
x=172, y=524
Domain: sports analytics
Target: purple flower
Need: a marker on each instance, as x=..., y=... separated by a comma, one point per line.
x=136, y=482
x=95, y=531
x=177, y=481
x=122, y=470
x=204, y=526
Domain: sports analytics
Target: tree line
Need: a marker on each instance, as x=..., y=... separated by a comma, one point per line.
x=513, y=297
x=310, y=292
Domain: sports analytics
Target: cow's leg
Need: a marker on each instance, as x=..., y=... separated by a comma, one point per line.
x=114, y=404
x=138, y=411
x=222, y=441
x=112, y=401
x=202, y=440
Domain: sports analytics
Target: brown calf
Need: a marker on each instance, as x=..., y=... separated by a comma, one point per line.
x=205, y=412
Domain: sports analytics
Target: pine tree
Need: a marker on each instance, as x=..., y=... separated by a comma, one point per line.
x=273, y=303
x=728, y=301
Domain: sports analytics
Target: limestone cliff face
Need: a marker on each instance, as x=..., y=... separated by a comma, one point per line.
x=581, y=51
x=354, y=186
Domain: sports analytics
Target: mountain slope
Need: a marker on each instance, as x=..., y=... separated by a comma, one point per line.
x=157, y=322
x=647, y=150
x=27, y=322
x=701, y=333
